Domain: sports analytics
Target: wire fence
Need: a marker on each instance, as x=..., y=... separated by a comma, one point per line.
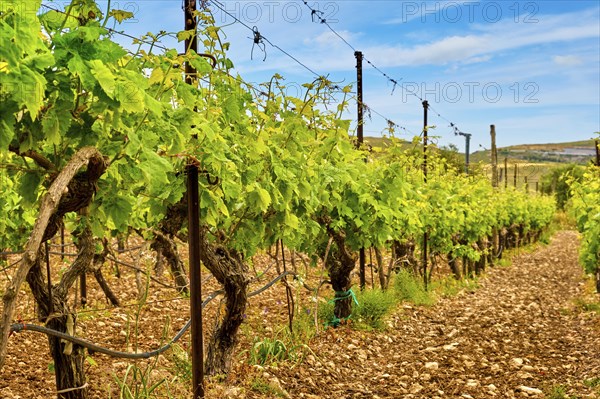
x=92, y=347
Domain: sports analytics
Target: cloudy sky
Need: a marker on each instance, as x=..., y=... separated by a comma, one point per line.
x=532, y=68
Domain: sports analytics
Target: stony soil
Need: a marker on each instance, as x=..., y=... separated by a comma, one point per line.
x=523, y=332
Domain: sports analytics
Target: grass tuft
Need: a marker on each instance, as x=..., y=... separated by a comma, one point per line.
x=373, y=306
x=558, y=392
x=408, y=288
x=264, y=387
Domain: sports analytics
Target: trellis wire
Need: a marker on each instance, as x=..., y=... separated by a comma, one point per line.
x=19, y=327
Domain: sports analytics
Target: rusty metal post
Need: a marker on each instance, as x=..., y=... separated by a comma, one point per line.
x=425, y=235
x=197, y=346
x=360, y=140
x=359, y=90
x=467, y=137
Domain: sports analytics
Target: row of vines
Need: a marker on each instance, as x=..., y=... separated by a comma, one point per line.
x=585, y=206
x=97, y=138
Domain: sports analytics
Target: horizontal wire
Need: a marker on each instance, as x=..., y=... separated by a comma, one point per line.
x=18, y=327
x=395, y=82
x=254, y=30
x=220, y=6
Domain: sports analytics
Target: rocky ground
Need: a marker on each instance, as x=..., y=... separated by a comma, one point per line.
x=518, y=335
x=526, y=331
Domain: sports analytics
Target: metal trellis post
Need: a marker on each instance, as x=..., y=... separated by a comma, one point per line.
x=197, y=342
x=360, y=140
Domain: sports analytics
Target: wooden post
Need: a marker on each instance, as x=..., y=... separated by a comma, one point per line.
x=516, y=174
x=494, y=157
x=526, y=184
x=197, y=347
x=597, y=152
x=505, y=173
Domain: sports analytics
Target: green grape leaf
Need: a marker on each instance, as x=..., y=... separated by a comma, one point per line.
x=120, y=15
x=28, y=186
x=118, y=209
x=130, y=96
x=185, y=35
x=103, y=76
x=155, y=170
x=6, y=134
x=260, y=198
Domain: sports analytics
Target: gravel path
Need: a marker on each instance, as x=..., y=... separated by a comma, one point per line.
x=518, y=335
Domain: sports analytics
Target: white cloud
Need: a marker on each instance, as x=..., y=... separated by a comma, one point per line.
x=567, y=60
x=492, y=38
x=477, y=60
x=329, y=39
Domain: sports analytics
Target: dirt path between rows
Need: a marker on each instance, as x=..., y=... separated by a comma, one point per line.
x=518, y=334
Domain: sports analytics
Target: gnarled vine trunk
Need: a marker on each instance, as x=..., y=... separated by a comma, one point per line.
x=96, y=269
x=71, y=190
x=54, y=310
x=339, y=263
x=404, y=252
x=384, y=278
x=453, y=259
x=454, y=266
x=165, y=246
x=481, y=246
x=229, y=268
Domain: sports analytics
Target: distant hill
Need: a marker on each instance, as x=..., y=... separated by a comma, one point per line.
x=528, y=161
x=580, y=152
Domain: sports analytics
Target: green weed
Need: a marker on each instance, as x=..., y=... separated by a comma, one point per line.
x=304, y=325
x=273, y=350
x=562, y=221
x=326, y=312
x=373, y=305
x=558, y=392
x=182, y=363
x=268, y=351
x=592, y=383
x=264, y=387
x=504, y=262
x=449, y=287
x=586, y=306
x=137, y=383
x=408, y=288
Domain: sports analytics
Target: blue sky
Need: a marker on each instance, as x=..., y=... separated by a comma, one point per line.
x=532, y=68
